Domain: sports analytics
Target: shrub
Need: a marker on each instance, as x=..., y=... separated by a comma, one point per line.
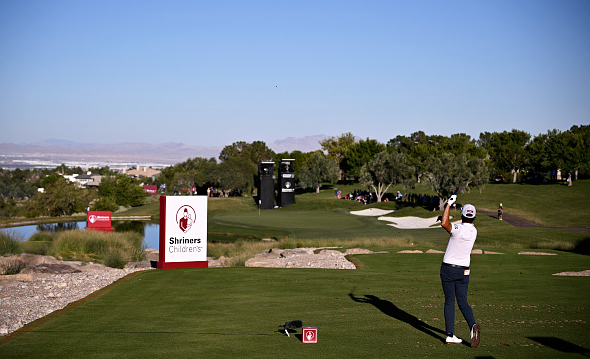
x=107, y=203
x=41, y=248
x=112, y=249
x=41, y=236
x=9, y=241
x=114, y=260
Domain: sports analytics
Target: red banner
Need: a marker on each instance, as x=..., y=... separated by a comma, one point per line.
x=99, y=220
x=151, y=189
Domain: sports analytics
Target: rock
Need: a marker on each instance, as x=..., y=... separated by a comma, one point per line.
x=358, y=251
x=434, y=251
x=9, y=265
x=152, y=254
x=330, y=252
x=36, y=259
x=50, y=268
x=216, y=263
x=300, y=258
x=143, y=264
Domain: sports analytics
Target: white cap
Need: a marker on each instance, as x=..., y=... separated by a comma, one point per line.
x=468, y=211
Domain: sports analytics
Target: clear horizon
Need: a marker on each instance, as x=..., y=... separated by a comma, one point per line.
x=211, y=74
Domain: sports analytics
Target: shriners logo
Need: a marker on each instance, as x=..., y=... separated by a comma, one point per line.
x=185, y=217
x=92, y=218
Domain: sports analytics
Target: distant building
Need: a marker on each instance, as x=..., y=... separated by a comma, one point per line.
x=84, y=180
x=140, y=172
x=90, y=180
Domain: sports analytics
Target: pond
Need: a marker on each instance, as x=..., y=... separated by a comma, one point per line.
x=149, y=230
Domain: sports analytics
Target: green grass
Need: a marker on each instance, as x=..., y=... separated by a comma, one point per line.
x=111, y=249
x=392, y=307
x=554, y=205
x=9, y=240
x=321, y=216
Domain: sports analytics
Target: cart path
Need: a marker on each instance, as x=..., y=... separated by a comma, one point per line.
x=520, y=222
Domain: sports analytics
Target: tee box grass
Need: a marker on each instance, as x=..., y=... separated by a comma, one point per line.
x=391, y=307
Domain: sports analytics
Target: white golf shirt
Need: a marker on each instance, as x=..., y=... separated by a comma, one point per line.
x=461, y=242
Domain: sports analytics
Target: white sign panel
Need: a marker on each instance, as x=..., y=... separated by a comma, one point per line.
x=185, y=237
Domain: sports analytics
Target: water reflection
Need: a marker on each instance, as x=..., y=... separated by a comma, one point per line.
x=149, y=230
x=58, y=227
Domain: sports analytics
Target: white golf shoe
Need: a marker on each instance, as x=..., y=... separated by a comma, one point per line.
x=454, y=340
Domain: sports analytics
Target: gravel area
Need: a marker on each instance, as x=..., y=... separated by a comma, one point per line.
x=28, y=297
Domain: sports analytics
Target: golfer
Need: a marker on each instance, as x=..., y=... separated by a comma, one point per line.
x=454, y=271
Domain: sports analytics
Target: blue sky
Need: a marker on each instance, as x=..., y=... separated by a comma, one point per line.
x=212, y=73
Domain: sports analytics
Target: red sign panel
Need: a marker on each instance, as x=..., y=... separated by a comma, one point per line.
x=99, y=220
x=310, y=334
x=150, y=189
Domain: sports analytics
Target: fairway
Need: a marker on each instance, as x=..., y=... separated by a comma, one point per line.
x=392, y=307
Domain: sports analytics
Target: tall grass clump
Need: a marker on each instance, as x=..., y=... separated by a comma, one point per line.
x=42, y=236
x=111, y=249
x=9, y=242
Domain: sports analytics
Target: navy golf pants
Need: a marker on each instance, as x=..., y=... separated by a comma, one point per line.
x=455, y=285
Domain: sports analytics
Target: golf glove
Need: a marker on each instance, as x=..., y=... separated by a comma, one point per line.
x=452, y=200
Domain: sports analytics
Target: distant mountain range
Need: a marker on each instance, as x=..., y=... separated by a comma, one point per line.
x=53, y=152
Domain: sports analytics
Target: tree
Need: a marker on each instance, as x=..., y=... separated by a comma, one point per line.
x=460, y=143
x=124, y=190
x=107, y=203
x=360, y=153
x=539, y=153
x=418, y=147
x=59, y=199
x=336, y=148
x=17, y=184
x=8, y=208
x=384, y=170
x=574, y=149
x=319, y=169
x=256, y=151
x=447, y=172
x=236, y=174
x=199, y=170
x=507, y=150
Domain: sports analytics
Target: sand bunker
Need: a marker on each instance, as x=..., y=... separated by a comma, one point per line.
x=372, y=212
x=585, y=273
x=412, y=222
x=537, y=254
x=400, y=222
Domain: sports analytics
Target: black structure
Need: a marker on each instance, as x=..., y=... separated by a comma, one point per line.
x=266, y=185
x=286, y=183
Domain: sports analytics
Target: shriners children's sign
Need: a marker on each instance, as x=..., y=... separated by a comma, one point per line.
x=183, y=232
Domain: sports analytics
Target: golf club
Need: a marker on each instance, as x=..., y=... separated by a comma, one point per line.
x=460, y=188
x=439, y=218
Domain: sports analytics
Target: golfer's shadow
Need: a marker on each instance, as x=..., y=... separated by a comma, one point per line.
x=393, y=311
